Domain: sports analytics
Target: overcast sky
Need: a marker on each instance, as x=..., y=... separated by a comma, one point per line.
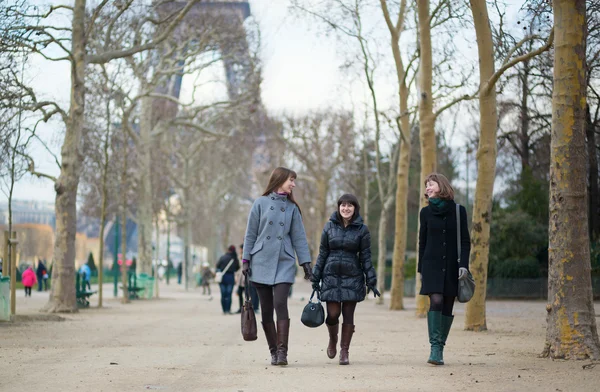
x=301, y=71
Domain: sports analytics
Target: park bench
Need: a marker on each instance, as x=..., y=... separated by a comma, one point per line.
x=82, y=293
x=132, y=288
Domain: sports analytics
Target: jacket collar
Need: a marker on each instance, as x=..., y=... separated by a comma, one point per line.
x=276, y=196
x=356, y=222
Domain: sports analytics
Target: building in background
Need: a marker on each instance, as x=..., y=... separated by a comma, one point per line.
x=29, y=211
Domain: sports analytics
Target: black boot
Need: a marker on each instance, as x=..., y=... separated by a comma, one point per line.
x=271, y=335
x=333, y=339
x=347, y=332
x=283, y=332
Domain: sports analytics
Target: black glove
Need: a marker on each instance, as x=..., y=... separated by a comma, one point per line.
x=372, y=288
x=308, y=275
x=316, y=286
x=246, y=269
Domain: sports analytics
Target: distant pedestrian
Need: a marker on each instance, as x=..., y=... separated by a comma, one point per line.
x=207, y=275
x=45, y=276
x=438, y=265
x=179, y=272
x=28, y=279
x=344, y=268
x=227, y=265
x=40, y=272
x=274, y=237
x=86, y=274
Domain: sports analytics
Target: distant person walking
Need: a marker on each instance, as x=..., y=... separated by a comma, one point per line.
x=343, y=268
x=207, y=275
x=438, y=259
x=274, y=236
x=40, y=272
x=45, y=276
x=179, y=272
x=227, y=265
x=28, y=278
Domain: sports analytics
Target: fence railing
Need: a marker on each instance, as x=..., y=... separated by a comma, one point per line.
x=500, y=288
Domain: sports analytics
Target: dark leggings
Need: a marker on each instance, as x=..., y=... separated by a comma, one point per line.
x=27, y=291
x=273, y=298
x=346, y=309
x=440, y=302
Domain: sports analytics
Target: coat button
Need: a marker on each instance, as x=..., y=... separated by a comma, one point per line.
x=444, y=244
x=444, y=218
x=272, y=198
x=443, y=257
x=443, y=269
x=281, y=223
x=282, y=209
x=268, y=237
x=272, y=207
x=444, y=231
x=270, y=222
x=279, y=238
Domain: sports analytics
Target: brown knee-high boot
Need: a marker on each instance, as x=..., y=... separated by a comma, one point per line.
x=283, y=332
x=271, y=335
x=347, y=332
x=333, y=339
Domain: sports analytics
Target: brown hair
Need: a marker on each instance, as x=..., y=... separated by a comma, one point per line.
x=278, y=177
x=446, y=190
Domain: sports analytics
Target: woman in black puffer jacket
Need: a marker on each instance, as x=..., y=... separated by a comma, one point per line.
x=343, y=264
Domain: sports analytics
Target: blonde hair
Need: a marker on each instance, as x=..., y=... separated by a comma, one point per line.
x=446, y=190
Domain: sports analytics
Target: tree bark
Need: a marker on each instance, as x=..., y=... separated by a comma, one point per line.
x=594, y=187
x=397, y=289
x=475, y=317
x=62, y=293
x=426, y=123
x=382, y=248
x=571, y=332
x=144, y=218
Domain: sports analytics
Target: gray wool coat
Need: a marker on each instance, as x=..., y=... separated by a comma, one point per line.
x=275, y=230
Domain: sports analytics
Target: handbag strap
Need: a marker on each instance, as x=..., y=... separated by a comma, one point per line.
x=313, y=294
x=246, y=295
x=458, y=231
x=228, y=265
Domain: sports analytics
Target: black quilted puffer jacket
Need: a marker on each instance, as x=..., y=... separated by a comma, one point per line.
x=344, y=262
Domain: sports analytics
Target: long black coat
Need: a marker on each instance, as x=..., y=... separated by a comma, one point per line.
x=438, y=248
x=344, y=261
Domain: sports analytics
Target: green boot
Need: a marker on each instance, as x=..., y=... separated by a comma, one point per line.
x=434, y=326
x=446, y=325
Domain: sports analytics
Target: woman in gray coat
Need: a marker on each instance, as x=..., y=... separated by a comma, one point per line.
x=275, y=231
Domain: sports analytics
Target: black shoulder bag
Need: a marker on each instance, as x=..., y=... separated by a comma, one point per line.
x=313, y=314
x=466, y=284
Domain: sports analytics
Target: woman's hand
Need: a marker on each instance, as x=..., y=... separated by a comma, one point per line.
x=373, y=288
x=462, y=273
x=308, y=275
x=246, y=269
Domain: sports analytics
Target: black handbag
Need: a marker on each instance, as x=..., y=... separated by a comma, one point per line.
x=466, y=284
x=249, y=330
x=313, y=314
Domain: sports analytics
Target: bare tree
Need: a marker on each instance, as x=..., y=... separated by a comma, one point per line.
x=48, y=38
x=572, y=331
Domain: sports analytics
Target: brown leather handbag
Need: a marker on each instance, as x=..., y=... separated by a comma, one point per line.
x=249, y=331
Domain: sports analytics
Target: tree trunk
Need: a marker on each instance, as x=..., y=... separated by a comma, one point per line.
x=104, y=191
x=401, y=221
x=594, y=187
x=157, y=258
x=382, y=249
x=144, y=219
x=571, y=331
x=321, y=204
x=62, y=293
x=124, y=274
x=486, y=169
x=426, y=125
x=524, y=117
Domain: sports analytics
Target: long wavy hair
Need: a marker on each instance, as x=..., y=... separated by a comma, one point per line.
x=278, y=177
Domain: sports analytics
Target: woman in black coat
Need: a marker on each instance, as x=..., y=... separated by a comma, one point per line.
x=439, y=266
x=343, y=267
